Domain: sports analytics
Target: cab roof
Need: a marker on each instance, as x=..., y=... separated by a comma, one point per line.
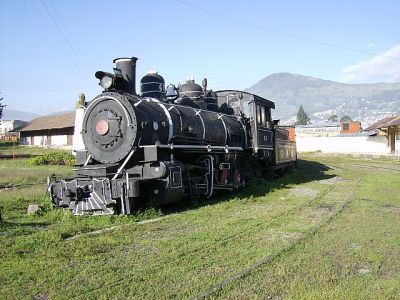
x=245, y=96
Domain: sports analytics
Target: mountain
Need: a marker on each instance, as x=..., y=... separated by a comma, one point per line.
x=322, y=98
x=9, y=114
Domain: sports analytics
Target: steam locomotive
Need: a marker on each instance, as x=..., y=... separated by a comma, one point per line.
x=168, y=143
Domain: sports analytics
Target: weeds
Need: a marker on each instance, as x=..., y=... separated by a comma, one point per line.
x=53, y=158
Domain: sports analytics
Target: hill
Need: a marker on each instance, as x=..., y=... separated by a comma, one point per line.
x=9, y=114
x=322, y=98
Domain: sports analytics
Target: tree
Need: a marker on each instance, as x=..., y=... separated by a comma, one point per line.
x=1, y=108
x=302, y=117
x=333, y=118
x=345, y=118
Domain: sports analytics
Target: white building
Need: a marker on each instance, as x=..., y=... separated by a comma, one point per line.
x=49, y=131
x=9, y=125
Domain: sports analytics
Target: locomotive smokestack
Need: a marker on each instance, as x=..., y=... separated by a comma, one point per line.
x=127, y=65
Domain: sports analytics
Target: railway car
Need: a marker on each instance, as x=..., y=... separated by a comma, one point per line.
x=168, y=143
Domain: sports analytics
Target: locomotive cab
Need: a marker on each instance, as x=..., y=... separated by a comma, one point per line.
x=256, y=113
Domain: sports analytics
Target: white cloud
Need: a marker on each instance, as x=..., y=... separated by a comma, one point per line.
x=381, y=68
x=371, y=45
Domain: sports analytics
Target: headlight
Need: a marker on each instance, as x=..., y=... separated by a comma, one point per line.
x=106, y=82
x=106, y=79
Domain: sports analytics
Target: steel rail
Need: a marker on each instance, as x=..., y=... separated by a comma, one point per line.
x=19, y=185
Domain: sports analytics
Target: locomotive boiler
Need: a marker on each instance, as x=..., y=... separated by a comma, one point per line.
x=168, y=143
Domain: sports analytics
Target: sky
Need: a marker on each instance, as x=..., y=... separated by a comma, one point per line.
x=50, y=50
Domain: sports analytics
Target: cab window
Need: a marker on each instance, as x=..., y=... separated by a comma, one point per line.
x=233, y=101
x=258, y=113
x=263, y=116
x=248, y=109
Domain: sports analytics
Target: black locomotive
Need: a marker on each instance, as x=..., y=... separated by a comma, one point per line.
x=168, y=143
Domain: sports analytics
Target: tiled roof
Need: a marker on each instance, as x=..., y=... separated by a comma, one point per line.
x=64, y=120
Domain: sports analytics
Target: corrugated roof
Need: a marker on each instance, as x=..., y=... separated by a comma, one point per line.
x=64, y=120
x=394, y=122
x=385, y=122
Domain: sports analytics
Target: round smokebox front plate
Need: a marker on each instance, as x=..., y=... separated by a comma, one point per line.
x=109, y=128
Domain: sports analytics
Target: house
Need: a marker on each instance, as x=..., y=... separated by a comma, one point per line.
x=49, y=131
x=350, y=127
x=7, y=126
x=390, y=128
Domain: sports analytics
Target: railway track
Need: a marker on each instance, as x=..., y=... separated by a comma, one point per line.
x=341, y=166
x=19, y=185
x=375, y=167
x=209, y=247
x=267, y=259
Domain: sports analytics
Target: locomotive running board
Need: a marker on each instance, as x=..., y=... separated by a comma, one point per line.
x=207, y=148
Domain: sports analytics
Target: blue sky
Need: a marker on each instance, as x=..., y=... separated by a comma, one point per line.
x=50, y=50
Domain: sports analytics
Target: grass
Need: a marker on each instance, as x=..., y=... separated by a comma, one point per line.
x=201, y=243
x=7, y=148
x=21, y=172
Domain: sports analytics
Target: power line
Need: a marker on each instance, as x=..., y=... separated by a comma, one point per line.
x=75, y=44
x=46, y=25
x=39, y=90
x=78, y=56
x=289, y=35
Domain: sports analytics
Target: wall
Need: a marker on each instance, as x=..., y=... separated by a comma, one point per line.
x=39, y=140
x=42, y=141
x=317, y=131
x=354, y=127
x=77, y=139
x=362, y=144
x=59, y=140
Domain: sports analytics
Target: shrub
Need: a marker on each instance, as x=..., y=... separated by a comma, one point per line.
x=53, y=158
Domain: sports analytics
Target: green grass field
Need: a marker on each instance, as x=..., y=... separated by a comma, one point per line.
x=328, y=229
x=9, y=148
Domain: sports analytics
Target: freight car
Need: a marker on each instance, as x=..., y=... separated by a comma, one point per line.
x=168, y=143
